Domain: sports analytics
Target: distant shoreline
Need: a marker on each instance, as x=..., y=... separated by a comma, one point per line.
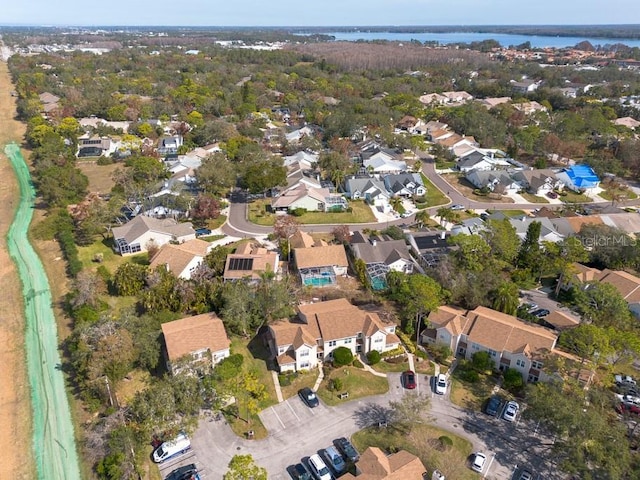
x=618, y=31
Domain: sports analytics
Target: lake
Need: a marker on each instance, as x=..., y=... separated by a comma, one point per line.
x=505, y=39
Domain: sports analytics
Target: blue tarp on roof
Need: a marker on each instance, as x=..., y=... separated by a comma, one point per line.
x=583, y=176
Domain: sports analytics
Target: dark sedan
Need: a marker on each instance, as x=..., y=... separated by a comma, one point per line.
x=347, y=449
x=541, y=312
x=309, y=397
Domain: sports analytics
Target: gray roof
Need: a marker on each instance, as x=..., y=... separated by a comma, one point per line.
x=384, y=251
x=363, y=184
x=397, y=182
x=141, y=224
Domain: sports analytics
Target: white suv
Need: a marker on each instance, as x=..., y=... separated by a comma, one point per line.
x=478, y=462
x=318, y=468
x=441, y=384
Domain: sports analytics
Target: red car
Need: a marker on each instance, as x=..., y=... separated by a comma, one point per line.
x=409, y=380
x=628, y=407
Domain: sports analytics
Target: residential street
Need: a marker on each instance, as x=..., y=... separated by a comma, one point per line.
x=297, y=431
x=237, y=224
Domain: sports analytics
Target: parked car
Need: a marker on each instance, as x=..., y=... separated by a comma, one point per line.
x=309, y=397
x=526, y=475
x=300, y=472
x=334, y=459
x=511, y=411
x=347, y=449
x=318, y=468
x=493, y=405
x=530, y=307
x=479, y=460
x=169, y=449
x=628, y=407
x=441, y=384
x=552, y=195
x=457, y=207
x=187, y=472
x=409, y=379
x=202, y=232
x=541, y=312
x=624, y=380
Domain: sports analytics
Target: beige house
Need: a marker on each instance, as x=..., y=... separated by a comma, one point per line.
x=321, y=266
x=198, y=342
x=249, y=261
x=322, y=327
x=142, y=233
x=512, y=343
x=181, y=259
x=626, y=284
x=374, y=464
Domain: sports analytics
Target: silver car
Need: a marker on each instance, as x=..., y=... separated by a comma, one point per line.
x=511, y=411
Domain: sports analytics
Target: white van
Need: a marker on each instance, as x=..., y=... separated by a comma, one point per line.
x=178, y=445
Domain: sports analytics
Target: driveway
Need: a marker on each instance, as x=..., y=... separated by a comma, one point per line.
x=541, y=298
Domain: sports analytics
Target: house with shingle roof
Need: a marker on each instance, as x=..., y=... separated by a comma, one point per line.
x=322, y=327
x=491, y=102
x=309, y=198
x=548, y=233
x=628, y=122
x=511, y=342
x=404, y=184
x=381, y=254
x=249, y=261
x=538, y=181
x=199, y=342
x=383, y=162
x=374, y=464
x=369, y=189
x=497, y=181
x=322, y=265
x=143, y=232
x=181, y=259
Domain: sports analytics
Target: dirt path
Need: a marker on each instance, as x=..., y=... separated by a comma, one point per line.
x=15, y=408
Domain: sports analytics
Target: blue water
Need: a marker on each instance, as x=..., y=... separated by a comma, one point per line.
x=537, y=41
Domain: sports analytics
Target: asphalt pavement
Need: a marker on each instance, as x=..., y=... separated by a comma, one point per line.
x=296, y=432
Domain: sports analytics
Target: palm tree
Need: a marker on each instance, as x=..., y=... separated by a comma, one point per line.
x=506, y=298
x=445, y=214
x=417, y=166
x=396, y=204
x=422, y=217
x=337, y=177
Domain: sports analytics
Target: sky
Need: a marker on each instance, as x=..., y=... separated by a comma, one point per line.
x=319, y=12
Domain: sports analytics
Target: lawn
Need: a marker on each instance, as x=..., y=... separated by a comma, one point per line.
x=356, y=381
x=530, y=197
x=471, y=395
x=512, y=213
x=255, y=360
x=301, y=380
x=423, y=367
x=422, y=441
x=618, y=193
x=110, y=259
x=573, y=197
x=433, y=197
x=464, y=187
x=361, y=213
x=100, y=176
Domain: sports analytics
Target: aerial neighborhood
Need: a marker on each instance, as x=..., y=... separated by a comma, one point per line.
x=281, y=261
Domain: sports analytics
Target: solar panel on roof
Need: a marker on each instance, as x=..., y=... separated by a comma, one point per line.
x=240, y=264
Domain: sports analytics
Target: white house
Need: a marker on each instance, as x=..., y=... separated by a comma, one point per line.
x=382, y=162
x=404, y=184
x=369, y=189
x=195, y=343
x=538, y=181
x=321, y=328
x=143, y=232
x=311, y=199
x=181, y=259
x=498, y=181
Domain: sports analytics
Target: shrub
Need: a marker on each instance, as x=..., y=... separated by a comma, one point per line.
x=342, y=356
x=407, y=341
x=445, y=442
x=513, y=380
x=335, y=384
x=373, y=357
x=469, y=375
x=357, y=363
x=422, y=354
x=298, y=212
x=482, y=362
x=393, y=353
x=284, y=380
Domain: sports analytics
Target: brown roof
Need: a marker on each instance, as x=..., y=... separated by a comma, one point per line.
x=301, y=239
x=375, y=465
x=576, y=223
x=628, y=285
x=192, y=334
x=328, y=255
x=450, y=141
x=501, y=332
x=451, y=318
x=260, y=258
x=177, y=257
x=561, y=321
x=584, y=273
x=290, y=333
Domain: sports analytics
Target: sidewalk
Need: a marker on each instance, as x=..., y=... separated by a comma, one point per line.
x=316, y=386
x=369, y=369
x=276, y=384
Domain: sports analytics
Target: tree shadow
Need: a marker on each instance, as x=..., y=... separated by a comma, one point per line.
x=260, y=351
x=373, y=415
